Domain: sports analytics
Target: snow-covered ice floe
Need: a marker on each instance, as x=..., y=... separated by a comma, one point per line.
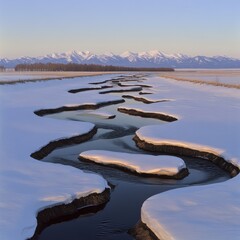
x=162, y=166
x=207, y=127
x=27, y=185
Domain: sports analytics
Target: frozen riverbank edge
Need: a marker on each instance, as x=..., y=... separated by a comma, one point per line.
x=208, y=128
x=174, y=149
x=48, y=216
x=45, y=150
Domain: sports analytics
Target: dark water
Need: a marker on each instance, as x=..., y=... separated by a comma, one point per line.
x=123, y=210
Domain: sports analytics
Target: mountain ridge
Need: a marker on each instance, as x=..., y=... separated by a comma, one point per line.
x=153, y=58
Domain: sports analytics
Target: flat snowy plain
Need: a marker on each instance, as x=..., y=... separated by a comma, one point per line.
x=27, y=185
x=208, y=118
x=12, y=76
x=225, y=76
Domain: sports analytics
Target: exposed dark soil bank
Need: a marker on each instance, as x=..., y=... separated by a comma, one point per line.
x=144, y=100
x=88, y=89
x=44, y=151
x=142, y=232
x=181, y=151
x=44, y=112
x=92, y=203
x=134, y=85
x=111, y=117
x=180, y=175
x=96, y=83
x=159, y=116
x=144, y=93
x=134, y=89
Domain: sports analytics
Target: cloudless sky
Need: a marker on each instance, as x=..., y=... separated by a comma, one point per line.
x=194, y=27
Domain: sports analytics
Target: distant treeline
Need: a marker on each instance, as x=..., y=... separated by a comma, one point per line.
x=2, y=69
x=81, y=67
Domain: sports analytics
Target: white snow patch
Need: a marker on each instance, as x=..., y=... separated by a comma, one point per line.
x=141, y=163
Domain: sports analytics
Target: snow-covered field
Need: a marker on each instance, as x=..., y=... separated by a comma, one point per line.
x=207, y=120
x=28, y=186
x=13, y=76
x=218, y=76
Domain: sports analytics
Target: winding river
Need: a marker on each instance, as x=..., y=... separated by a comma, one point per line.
x=122, y=212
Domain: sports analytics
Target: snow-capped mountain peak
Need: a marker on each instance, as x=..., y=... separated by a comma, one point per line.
x=131, y=56
x=153, y=58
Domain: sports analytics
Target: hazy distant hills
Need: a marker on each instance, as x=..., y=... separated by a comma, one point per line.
x=129, y=59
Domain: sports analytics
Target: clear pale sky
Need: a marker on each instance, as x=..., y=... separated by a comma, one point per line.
x=196, y=27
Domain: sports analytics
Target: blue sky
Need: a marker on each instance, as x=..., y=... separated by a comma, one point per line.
x=196, y=27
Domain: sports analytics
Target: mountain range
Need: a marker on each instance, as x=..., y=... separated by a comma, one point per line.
x=129, y=59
